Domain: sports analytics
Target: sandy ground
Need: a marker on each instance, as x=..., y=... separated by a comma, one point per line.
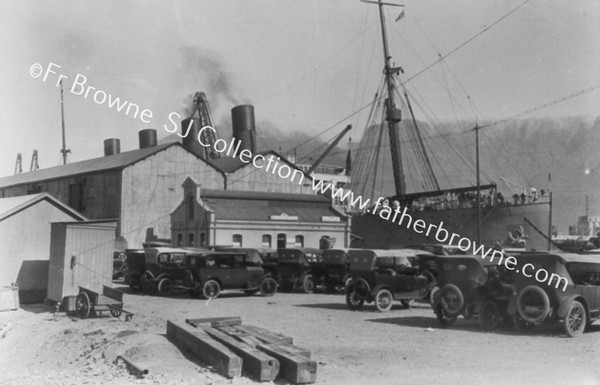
x=403, y=346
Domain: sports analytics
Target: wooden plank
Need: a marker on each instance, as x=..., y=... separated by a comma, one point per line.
x=215, y=321
x=267, y=334
x=241, y=333
x=295, y=368
x=258, y=364
x=204, y=347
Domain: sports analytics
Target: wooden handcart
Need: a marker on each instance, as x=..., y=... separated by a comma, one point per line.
x=88, y=302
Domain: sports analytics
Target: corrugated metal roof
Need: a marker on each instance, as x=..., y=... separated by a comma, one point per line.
x=12, y=205
x=104, y=163
x=260, y=206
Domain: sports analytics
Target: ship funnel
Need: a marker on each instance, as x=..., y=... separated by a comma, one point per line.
x=147, y=138
x=244, y=128
x=112, y=146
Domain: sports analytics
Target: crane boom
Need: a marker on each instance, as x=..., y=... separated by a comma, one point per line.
x=209, y=137
x=328, y=150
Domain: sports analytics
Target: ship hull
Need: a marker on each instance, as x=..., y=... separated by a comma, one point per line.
x=511, y=226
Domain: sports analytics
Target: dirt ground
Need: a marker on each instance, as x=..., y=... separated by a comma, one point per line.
x=403, y=346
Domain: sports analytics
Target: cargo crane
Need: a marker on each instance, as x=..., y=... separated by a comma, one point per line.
x=328, y=150
x=209, y=137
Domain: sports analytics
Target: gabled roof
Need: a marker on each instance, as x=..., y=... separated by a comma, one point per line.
x=230, y=164
x=105, y=163
x=261, y=206
x=13, y=205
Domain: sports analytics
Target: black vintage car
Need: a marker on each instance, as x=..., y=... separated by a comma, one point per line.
x=471, y=286
x=294, y=268
x=569, y=293
x=232, y=270
x=133, y=268
x=165, y=269
x=382, y=276
x=333, y=272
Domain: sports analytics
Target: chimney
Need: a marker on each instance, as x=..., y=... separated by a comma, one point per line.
x=112, y=146
x=244, y=128
x=147, y=138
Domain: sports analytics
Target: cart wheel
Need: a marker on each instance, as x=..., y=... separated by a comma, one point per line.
x=308, y=284
x=116, y=310
x=211, y=289
x=82, y=305
x=489, y=315
x=166, y=287
x=268, y=287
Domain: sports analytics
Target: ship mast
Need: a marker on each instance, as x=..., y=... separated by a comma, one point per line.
x=393, y=115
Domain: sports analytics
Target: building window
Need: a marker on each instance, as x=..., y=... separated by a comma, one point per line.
x=190, y=207
x=179, y=240
x=266, y=241
x=237, y=240
x=191, y=239
x=281, y=241
x=299, y=241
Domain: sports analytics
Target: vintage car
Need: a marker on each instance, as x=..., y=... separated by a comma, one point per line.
x=333, y=272
x=165, y=268
x=255, y=257
x=228, y=270
x=471, y=286
x=294, y=268
x=382, y=276
x=570, y=292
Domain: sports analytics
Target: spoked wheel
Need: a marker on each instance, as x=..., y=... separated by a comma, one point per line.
x=489, y=315
x=166, y=287
x=211, y=289
x=188, y=279
x=575, y=320
x=268, y=287
x=446, y=320
x=148, y=284
x=521, y=325
x=407, y=302
x=116, y=310
x=308, y=284
x=384, y=300
x=353, y=300
x=82, y=305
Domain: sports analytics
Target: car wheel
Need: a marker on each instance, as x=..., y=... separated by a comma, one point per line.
x=83, y=305
x=383, y=300
x=451, y=299
x=533, y=304
x=446, y=320
x=116, y=310
x=362, y=287
x=434, y=296
x=166, y=287
x=407, y=302
x=211, y=289
x=268, y=287
x=489, y=315
x=308, y=284
x=575, y=320
x=353, y=300
x=188, y=279
x=148, y=284
x=521, y=325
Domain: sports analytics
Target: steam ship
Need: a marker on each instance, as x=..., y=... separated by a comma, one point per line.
x=473, y=210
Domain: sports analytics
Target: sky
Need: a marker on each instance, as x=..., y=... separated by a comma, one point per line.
x=305, y=65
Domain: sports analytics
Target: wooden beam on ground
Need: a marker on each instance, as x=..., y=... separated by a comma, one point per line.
x=215, y=321
x=257, y=363
x=204, y=347
x=266, y=334
x=255, y=339
x=295, y=368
